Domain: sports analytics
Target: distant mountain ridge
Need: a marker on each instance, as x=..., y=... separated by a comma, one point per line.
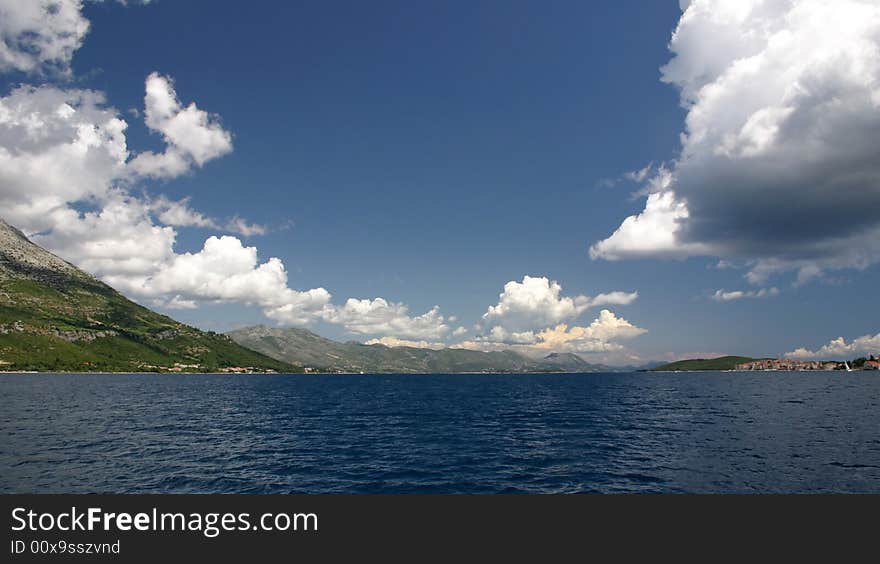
x=55, y=317
x=700, y=364
x=304, y=348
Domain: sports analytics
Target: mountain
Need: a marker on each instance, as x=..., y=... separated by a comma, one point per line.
x=55, y=317
x=302, y=347
x=700, y=364
x=570, y=362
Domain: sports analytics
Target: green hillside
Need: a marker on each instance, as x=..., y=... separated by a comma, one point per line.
x=55, y=317
x=700, y=364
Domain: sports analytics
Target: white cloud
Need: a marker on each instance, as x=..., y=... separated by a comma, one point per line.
x=839, y=348
x=611, y=354
x=529, y=315
x=169, y=164
x=783, y=102
x=179, y=213
x=654, y=232
x=394, y=342
x=223, y=270
x=640, y=175
x=66, y=180
x=601, y=336
x=40, y=35
x=245, y=228
x=499, y=334
x=603, y=331
x=60, y=149
x=117, y=241
x=725, y=296
x=379, y=316
x=179, y=303
x=64, y=150
x=193, y=137
x=613, y=298
x=56, y=147
x=488, y=346
x=537, y=302
x=649, y=176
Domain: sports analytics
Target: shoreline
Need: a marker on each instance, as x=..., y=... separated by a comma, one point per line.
x=647, y=372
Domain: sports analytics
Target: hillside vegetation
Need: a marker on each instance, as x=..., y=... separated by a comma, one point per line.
x=700, y=364
x=55, y=317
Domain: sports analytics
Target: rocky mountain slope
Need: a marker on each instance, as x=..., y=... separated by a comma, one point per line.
x=54, y=316
x=305, y=348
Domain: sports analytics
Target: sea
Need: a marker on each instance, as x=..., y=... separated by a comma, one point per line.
x=723, y=432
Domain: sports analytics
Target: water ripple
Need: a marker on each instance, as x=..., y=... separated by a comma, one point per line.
x=440, y=434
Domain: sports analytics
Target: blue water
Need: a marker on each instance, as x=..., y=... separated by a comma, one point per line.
x=703, y=432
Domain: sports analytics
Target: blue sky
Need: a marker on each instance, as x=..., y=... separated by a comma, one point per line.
x=431, y=152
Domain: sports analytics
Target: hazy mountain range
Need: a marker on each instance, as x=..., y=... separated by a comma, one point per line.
x=56, y=317
x=304, y=348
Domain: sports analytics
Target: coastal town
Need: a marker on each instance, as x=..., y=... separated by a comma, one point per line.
x=182, y=368
x=871, y=363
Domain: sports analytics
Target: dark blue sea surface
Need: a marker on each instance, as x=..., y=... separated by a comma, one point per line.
x=686, y=432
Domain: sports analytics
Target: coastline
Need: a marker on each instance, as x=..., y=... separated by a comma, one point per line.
x=564, y=373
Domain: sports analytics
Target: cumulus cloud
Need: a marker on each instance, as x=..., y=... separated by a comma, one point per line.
x=529, y=317
x=223, y=270
x=779, y=165
x=120, y=244
x=601, y=336
x=65, y=150
x=394, y=342
x=654, y=232
x=40, y=35
x=725, y=296
x=117, y=241
x=379, y=316
x=537, y=302
x=66, y=181
x=193, y=137
x=56, y=147
x=597, y=336
x=839, y=348
x=499, y=334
